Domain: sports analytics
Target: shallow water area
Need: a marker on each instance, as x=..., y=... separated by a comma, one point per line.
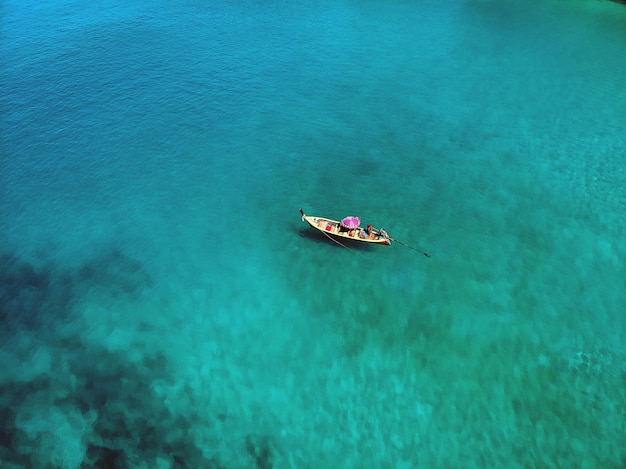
x=163, y=305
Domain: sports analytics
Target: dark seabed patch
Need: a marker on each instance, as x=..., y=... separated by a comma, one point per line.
x=67, y=402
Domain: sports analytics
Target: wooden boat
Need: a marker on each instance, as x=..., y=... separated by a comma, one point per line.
x=335, y=229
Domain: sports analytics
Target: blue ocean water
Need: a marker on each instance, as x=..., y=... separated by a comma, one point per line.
x=163, y=305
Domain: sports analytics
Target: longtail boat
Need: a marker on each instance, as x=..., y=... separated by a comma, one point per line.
x=347, y=228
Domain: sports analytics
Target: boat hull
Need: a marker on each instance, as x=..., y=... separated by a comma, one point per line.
x=334, y=229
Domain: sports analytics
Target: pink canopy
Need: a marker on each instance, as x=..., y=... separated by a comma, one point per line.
x=351, y=222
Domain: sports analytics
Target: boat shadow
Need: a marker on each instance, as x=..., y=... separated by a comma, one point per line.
x=319, y=237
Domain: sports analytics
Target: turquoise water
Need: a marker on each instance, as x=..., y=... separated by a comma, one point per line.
x=163, y=305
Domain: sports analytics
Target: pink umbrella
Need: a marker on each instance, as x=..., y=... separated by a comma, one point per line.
x=351, y=222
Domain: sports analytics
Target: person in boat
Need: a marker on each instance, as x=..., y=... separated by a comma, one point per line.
x=383, y=233
x=370, y=228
